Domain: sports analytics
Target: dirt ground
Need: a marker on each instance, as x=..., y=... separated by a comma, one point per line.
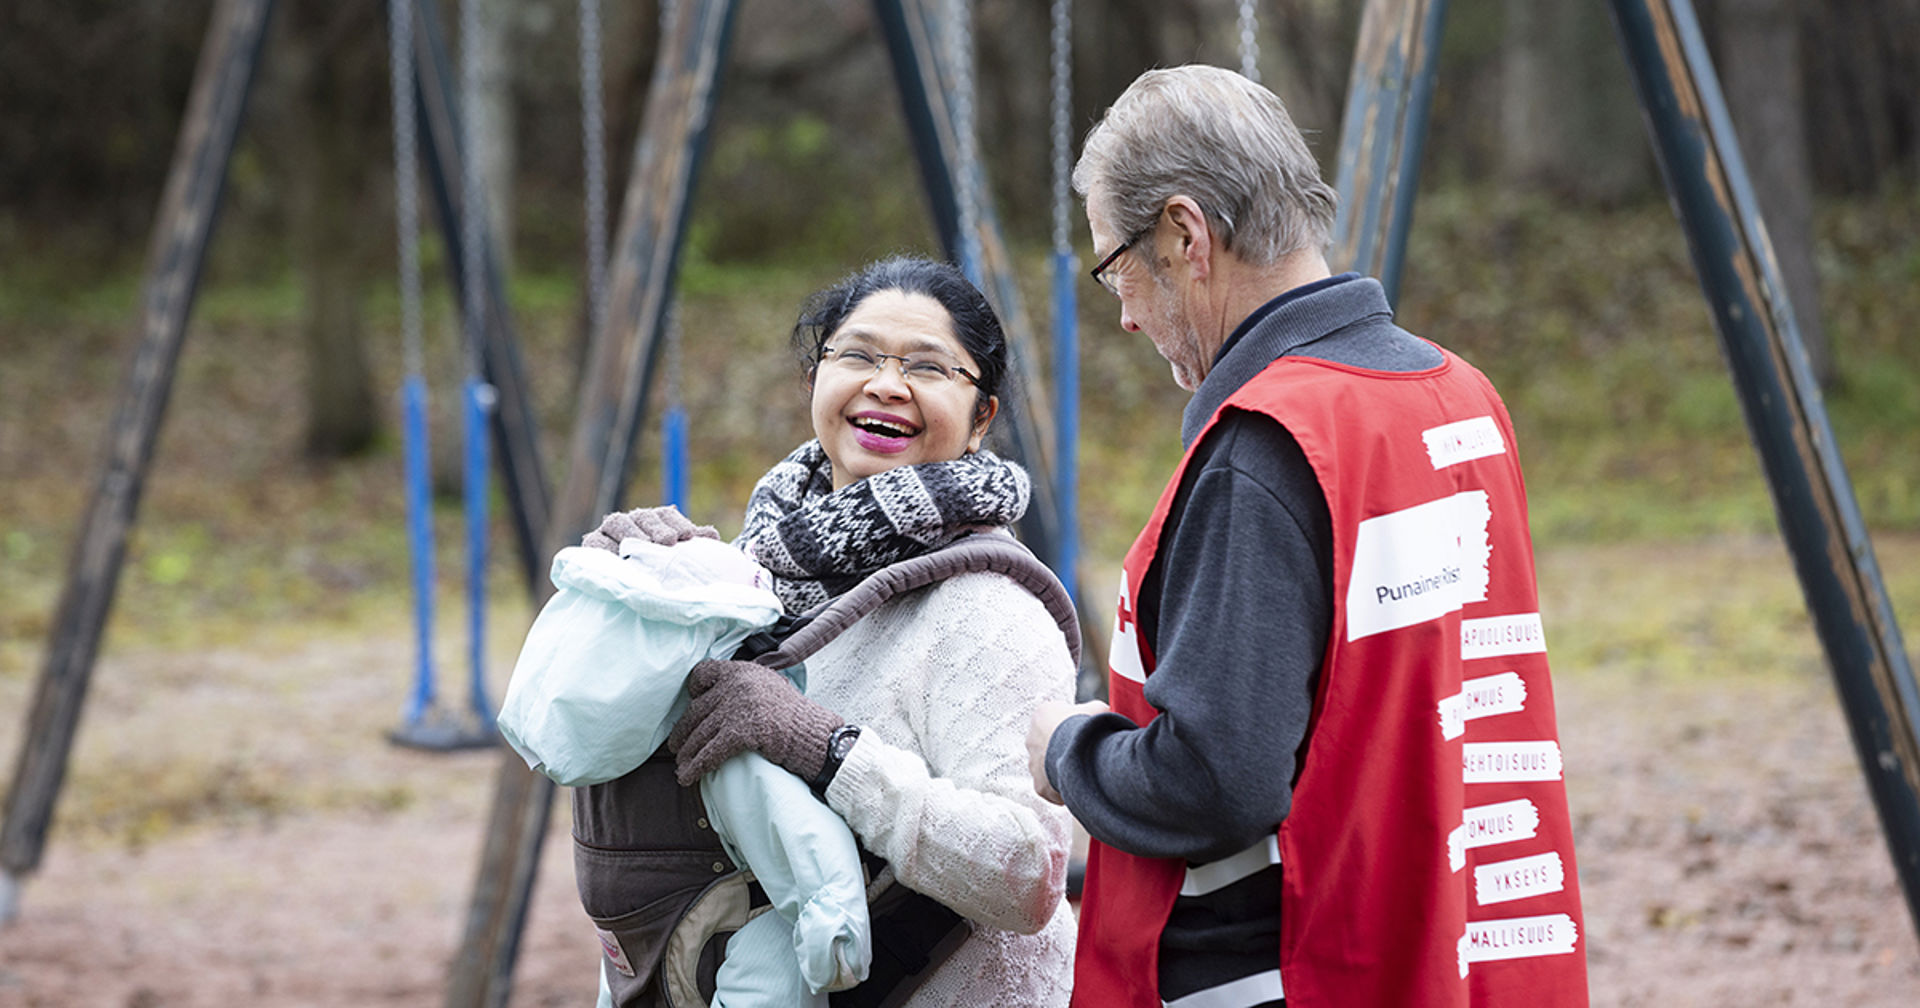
x=236, y=830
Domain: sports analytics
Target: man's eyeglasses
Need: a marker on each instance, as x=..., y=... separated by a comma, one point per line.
x=1099, y=272
x=920, y=370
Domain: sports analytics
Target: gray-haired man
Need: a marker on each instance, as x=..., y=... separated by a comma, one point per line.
x=1327, y=649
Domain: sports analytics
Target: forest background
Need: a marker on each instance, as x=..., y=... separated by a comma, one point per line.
x=259, y=647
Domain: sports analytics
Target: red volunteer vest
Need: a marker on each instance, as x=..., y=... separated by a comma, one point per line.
x=1428, y=856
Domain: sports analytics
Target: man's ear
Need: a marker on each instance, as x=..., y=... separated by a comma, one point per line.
x=982, y=419
x=1196, y=235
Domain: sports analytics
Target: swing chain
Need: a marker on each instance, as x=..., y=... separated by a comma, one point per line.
x=473, y=195
x=668, y=10
x=1249, y=41
x=406, y=183
x=593, y=132
x=966, y=152
x=1062, y=46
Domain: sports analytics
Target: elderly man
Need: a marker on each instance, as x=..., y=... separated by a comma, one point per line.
x=1330, y=773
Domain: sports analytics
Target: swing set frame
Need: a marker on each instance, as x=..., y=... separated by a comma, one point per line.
x=1384, y=127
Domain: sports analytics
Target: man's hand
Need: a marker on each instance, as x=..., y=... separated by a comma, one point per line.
x=1047, y=718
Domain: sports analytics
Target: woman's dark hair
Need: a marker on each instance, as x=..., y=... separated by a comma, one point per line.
x=974, y=322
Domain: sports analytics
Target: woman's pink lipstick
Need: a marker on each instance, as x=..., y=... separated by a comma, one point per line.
x=879, y=442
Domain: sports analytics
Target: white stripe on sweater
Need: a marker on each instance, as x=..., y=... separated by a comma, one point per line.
x=1203, y=879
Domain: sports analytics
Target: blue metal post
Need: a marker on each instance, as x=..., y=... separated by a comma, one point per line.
x=1066, y=404
x=419, y=541
x=676, y=455
x=480, y=398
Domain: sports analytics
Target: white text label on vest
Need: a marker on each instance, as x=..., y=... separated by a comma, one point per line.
x=1464, y=441
x=1486, y=696
x=1418, y=564
x=1535, y=875
x=1487, y=825
x=1517, y=938
x=1499, y=636
x=1496, y=762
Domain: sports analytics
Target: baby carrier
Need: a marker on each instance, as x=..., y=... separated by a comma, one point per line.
x=662, y=893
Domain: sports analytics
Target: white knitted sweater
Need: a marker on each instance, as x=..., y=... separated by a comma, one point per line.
x=942, y=681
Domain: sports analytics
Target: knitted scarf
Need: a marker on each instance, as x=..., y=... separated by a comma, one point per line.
x=819, y=542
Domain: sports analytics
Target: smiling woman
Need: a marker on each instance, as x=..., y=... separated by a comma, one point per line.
x=913, y=722
x=870, y=417
x=926, y=317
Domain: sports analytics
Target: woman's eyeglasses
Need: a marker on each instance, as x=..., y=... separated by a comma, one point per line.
x=920, y=370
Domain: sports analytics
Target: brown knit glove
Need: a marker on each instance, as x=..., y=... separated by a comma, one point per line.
x=739, y=705
x=662, y=526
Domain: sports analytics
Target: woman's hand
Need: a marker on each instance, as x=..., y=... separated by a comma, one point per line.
x=662, y=526
x=739, y=705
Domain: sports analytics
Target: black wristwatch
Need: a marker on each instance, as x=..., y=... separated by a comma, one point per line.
x=839, y=743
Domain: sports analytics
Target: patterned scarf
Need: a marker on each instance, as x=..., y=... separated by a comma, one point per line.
x=819, y=542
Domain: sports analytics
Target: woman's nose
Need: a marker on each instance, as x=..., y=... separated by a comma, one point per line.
x=889, y=380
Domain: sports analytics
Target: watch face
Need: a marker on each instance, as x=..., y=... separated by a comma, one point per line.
x=843, y=744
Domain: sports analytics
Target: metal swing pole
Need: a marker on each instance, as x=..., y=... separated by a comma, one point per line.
x=479, y=396
x=528, y=494
x=958, y=15
x=612, y=404
x=1708, y=185
x=913, y=32
x=1066, y=324
x=413, y=389
x=183, y=228
x=1382, y=134
x=426, y=725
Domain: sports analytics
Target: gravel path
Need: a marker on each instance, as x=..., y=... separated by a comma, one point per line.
x=236, y=830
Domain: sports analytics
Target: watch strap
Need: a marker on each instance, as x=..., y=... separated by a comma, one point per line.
x=839, y=743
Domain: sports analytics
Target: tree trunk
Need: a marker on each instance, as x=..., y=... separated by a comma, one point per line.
x=1862, y=65
x=495, y=122
x=1313, y=52
x=328, y=227
x=1567, y=121
x=1529, y=112
x=1112, y=44
x=1760, y=73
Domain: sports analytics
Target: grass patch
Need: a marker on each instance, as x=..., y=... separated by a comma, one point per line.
x=1591, y=324
x=1595, y=331
x=1658, y=546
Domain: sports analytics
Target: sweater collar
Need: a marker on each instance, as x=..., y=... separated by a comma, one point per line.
x=1275, y=329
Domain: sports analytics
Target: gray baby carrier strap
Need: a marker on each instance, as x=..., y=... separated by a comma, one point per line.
x=661, y=891
x=975, y=554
